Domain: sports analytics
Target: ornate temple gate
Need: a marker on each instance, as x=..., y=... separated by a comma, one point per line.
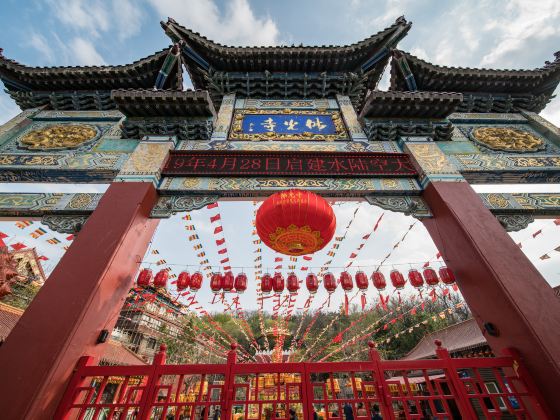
x=443, y=388
x=413, y=149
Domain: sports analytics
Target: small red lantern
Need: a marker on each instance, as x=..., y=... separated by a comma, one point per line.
x=266, y=284
x=431, y=276
x=379, y=280
x=312, y=283
x=346, y=281
x=361, y=280
x=292, y=283
x=216, y=283
x=183, y=281
x=446, y=275
x=295, y=222
x=144, y=277
x=196, y=281
x=228, y=281
x=397, y=279
x=278, y=283
x=161, y=278
x=241, y=283
x=415, y=278
x=329, y=281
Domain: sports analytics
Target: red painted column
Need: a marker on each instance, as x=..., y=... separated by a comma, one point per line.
x=82, y=296
x=499, y=283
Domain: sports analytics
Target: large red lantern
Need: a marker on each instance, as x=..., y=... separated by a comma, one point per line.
x=216, y=282
x=240, y=283
x=228, y=281
x=295, y=222
x=346, y=281
x=362, y=281
x=183, y=281
x=312, y=283
x=397, y=279
x=446, y=275
x=415, y=278
x=431, y=276
x=266, y=284
x=329, y=281
x=196, y=281
x=278, y=283
x=379, y=280
x=292, y=283
x=144, y=277
x=161, y=278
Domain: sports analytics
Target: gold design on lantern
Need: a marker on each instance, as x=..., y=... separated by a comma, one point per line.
x=58, y=136
x=507, y=139
x=295, y=240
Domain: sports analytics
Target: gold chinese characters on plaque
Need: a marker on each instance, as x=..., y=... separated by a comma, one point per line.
x=58, y=136
x=507, y=139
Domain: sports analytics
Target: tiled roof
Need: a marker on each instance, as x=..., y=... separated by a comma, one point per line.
x=458, y=337
x=117, y=354
x=8, y=318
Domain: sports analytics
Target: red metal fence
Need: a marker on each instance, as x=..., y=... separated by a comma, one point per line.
x=442, y=388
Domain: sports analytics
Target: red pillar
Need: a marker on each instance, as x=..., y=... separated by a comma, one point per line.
x=82, y=296
x=499, y=283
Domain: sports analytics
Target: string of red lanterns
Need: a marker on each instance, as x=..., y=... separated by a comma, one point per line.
x=227, y=282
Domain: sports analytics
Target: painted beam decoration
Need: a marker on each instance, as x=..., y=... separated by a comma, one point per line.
x=185, y=163
x=287, y=124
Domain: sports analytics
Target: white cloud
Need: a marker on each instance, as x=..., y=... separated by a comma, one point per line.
x=91, y=16
x=84, y=53
x=237, y=25
x=40, y=43
x=8, y=108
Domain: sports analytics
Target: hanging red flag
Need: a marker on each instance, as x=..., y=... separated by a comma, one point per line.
x=18, y=246
x=557, y=222
x=3, y=235
x=366, y=237
x=338, y=338
x=215, y=218
x=70, y=238
x=212, y=206
x=227, y=267
x=220, y=241
x=438, y=255
x=278, y=267
x=377, y=223
x=43, y=258
x=225, y=260
x=353, y=255
x=426, y=264
x=538, y=232
x=278, y=259
x=218, y=230
x=222, y=251
x=307, y=258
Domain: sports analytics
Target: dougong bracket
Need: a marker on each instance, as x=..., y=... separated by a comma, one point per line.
x=64, y=224
x=169, y=205
x=410, y=206
x=515, y=222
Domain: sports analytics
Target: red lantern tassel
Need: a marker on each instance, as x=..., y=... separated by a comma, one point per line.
x=346, y=304
x=363, y=301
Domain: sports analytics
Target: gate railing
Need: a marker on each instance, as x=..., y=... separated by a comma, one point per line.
x=445, y=387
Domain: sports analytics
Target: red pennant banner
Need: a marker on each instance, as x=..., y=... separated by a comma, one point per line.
x=278, y=259
x=218, y=230
x=18, y=246
x=215, y=218
x=212, y=206
x=225, y=260
x=220, y=241
x=222, y=251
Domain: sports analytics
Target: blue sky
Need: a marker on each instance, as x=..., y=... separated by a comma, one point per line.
x=470, y=33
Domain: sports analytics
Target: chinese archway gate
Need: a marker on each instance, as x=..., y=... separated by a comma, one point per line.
x=264, y=120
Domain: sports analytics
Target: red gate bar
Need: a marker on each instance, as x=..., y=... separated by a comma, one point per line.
x=235, y=163
x=441, y=387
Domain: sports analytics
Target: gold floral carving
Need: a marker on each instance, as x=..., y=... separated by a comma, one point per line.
x=431, y=159
x=58, y=136
x=147, y=158
x=507, y=139
x=497, y=201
